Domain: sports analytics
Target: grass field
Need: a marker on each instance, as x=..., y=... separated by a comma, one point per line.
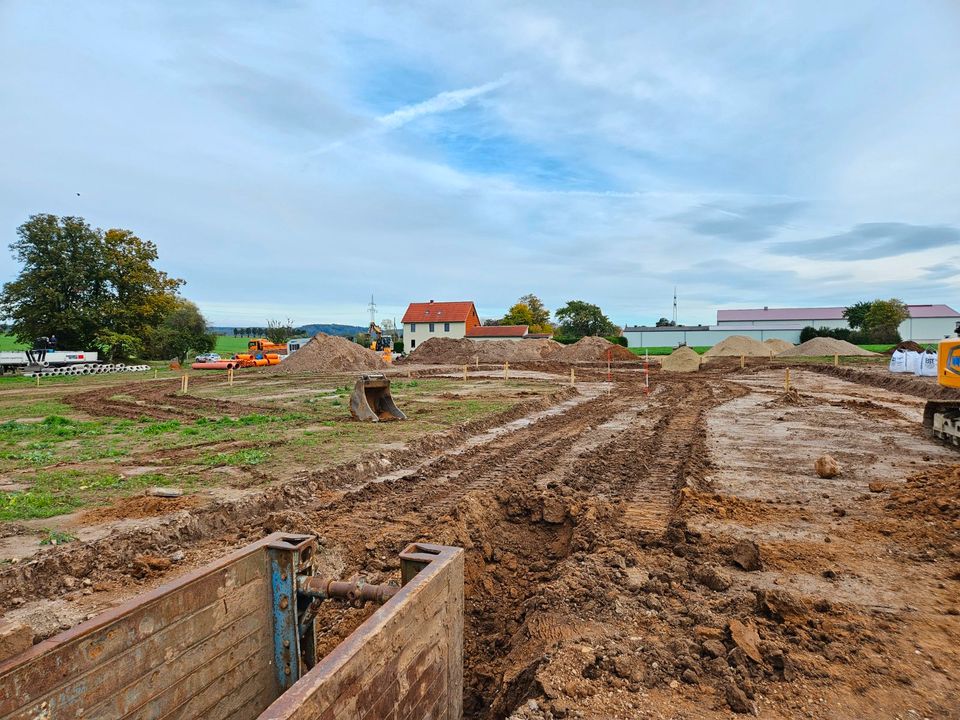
x=703, y=348
x=229, y=345
x=9, y=342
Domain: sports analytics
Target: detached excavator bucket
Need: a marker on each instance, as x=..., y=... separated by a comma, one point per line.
x=371, y=399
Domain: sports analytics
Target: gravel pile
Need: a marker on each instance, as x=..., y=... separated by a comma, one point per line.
x=737, y=345
x=683, y=359
x=823, y=346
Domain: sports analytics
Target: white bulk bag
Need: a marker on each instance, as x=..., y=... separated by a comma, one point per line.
x=913, y=361
x=928, y=364
x=898, y=362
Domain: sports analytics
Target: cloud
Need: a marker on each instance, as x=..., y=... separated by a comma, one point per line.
x=746, y=223
x=870, y=241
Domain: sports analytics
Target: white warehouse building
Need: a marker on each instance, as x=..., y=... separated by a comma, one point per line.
x=926, y=324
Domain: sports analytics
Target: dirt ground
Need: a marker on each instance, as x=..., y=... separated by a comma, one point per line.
x=629, y=555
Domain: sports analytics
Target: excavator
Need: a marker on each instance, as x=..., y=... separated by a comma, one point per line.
x=380, y=342
x=941, y=418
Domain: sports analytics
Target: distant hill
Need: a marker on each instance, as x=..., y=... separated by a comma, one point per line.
x=312, y=329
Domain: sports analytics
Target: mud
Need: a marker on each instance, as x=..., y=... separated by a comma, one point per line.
x=605, y=550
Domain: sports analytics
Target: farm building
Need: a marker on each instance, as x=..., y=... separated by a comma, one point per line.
x=927, y=323
x=426, y=320
x=498, y=332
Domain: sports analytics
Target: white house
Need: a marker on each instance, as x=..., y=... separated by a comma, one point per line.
x=426, y=320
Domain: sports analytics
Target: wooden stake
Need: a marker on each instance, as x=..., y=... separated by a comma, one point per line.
x=506, y=371
x=464, y=373
x=786, y=380
x=836, y=360
x=154, y=373
x=229, y=376
x=743, y=361
x=573, y=379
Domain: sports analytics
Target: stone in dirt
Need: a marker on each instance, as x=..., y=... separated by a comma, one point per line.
x=737, y=700
x=746, y=638
x=15, y=637
x=826, y=466
x=165, y=492
x=683, y=359
x=713, y=578
x=746, y=554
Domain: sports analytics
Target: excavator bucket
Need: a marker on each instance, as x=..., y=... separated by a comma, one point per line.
x=371, y=399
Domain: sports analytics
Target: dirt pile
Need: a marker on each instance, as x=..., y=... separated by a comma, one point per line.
x=327, y=352
x=822, y=346
x=777, y=345
x=461, y=351
x=737, y=345
x=592, y=349
x=906, y=345
x=683, y=359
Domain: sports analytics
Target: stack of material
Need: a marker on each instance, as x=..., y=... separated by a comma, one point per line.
x=777, y=345
x=823, y=346
x=737, y=345
x=326, y=353
x=683, y=359
x=450, y=351
x=593, y=349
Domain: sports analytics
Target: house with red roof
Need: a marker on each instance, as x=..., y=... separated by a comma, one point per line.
x=425, y=320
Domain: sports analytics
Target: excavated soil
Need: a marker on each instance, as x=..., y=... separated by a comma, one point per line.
x=669, y=555
x=777, y=345
x=824, y=346
x=464, y=351
x=683, y=359
x=592, y=349
x=737, y=345
x=325, y=353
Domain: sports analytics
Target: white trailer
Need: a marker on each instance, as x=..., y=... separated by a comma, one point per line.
x=36, y=359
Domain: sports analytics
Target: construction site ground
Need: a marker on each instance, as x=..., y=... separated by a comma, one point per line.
x=629, y=555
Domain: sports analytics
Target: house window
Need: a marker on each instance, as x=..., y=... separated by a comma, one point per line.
x=413, y=344
x=431, y=327
x=446, y=327
x=413, y=327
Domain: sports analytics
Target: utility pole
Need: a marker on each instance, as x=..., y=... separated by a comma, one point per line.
x=674, y=305
x=373, y=311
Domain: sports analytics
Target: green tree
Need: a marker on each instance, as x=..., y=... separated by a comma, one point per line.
x=882, y=321
x=663, y=322
x=856, y=314
x=182, y=331
x=579, y=319
x=279, y=332
x=117, y=346
x=519, y=314
x=540, y=316
x=78, y=282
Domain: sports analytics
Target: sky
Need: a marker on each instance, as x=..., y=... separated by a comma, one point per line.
x=290, y=159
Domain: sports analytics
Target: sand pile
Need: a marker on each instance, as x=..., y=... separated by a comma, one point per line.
x=326, y=353
x=463, y=351
x=821, y=346
x=777, y=345
x=683, y=359
x=593, y=349
x=737, y=345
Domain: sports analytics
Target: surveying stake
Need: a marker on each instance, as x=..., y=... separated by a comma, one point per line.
x=609, y=378
x=646, y=372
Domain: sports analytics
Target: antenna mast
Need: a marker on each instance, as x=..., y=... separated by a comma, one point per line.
x=373, y=311
x=674, y=304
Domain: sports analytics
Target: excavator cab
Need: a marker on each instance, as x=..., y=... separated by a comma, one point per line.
x=371, y=399
x=941, y=418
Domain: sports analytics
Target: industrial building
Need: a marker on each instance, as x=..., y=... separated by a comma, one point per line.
x=927, y=323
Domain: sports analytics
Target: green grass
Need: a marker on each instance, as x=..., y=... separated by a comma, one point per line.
x=243, y=458
x=701, y=349
x=9, y=342
x=55, y=537
x=228, y=345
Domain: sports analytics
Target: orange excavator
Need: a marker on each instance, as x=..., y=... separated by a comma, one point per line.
x=941, y=418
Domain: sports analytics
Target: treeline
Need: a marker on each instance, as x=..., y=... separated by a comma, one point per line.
x=98, y=289
x=875, y=322
x=574, y=320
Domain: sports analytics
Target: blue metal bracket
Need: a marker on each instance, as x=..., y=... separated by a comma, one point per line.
x=289, y=557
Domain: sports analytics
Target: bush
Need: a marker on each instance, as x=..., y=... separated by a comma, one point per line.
x=616, y=339
x=857, y=337
x=398, y=346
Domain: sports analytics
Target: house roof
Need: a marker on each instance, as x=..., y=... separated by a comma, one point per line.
x=822, y=313
x=497, y=331
x=438, y=312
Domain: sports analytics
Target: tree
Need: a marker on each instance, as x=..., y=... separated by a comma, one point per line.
x=856, y=314
x=182, y=331
x=663, y=322
x=519, y=314
x=579, y=319
x=279, y=332
x=540, y=316
x=78, y=282
x=117, y=346
x=883, y=319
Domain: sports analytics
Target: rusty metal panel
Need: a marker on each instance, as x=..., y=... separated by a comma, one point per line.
x=404, y=661
x=201, y=646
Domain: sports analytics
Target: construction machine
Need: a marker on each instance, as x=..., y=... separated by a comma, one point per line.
x=262, y=345
x=380, y=342
x=371, y=399
x=941, y=418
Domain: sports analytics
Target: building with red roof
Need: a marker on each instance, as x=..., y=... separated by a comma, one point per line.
x=498, y=332
x=425, y=320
